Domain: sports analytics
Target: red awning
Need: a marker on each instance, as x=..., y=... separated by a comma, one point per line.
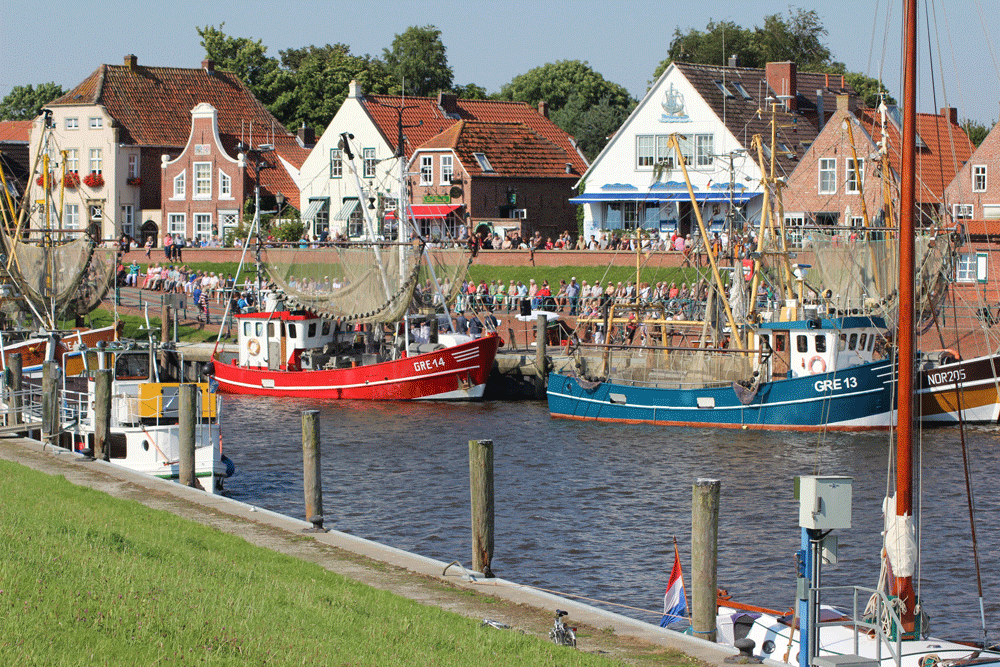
x=427, y=211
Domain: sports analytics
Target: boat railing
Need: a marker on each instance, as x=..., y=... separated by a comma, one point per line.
x=883, y=626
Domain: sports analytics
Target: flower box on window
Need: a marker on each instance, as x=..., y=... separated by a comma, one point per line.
x=134, y=180
x=93, y=180
x=40, y=181
x=71, y=179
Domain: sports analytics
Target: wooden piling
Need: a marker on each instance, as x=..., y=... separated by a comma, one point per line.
x=187, y=397
x=312, y=484
x=102, y=413
x=541, y=340
x=14, y=384
x=481, y=486
x=50, y=402
x=164, y=331
x=704, y=556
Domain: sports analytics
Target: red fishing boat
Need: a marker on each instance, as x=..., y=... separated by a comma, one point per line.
x=287, y=353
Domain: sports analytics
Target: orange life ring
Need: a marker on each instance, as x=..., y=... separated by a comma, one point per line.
x=812, y=365
x=253, y=347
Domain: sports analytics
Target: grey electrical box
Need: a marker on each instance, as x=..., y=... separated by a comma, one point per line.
x=824, y=502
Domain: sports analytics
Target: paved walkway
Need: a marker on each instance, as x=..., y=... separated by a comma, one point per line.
x=423, y=579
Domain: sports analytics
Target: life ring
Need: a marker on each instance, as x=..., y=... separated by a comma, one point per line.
x=812, y=365
x=253, y=347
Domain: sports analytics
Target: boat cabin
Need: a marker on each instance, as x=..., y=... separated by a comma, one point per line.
x=813, y=347
x=299, y=340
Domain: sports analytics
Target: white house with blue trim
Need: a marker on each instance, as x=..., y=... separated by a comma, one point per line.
x=636, y=181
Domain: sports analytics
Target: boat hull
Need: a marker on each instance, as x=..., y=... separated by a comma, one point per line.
x=856, y=399
x=453, y=373
x=969, y=388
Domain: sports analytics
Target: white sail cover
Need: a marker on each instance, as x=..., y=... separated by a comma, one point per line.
x=900, y=540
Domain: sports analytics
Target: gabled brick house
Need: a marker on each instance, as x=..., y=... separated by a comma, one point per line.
x=499, y=174
x=827, y=188
x=329, y=194
x=120, y=120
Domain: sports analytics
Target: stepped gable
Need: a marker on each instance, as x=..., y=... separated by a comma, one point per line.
x=152, y=105
x=797, y=128
x=513, y=149
x=943, y=148
x=440, y=113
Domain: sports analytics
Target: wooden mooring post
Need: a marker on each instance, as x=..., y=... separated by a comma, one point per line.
x=481, y=486
x=312, y=484
x=187, y=397
x=704, y=556
x=14, y=383
x=541, y=347
x=102, y=413
x=50, y=403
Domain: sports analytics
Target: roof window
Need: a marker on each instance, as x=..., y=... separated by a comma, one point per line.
x=725, y=91
x=484, y=163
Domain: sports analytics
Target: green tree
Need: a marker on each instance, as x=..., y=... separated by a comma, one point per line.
x=248, y=60
x=470, y=91
x=26, y=102
x=591, y=125
x=714, y=46
x=976, y=131
x=417, y=58
x=799, y=39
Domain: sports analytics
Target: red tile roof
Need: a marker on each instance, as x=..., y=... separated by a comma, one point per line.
x=513, y=149
x=947, y=148
x=15, y=130
x=439, y=114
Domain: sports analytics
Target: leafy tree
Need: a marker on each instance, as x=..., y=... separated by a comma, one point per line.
x=26, y=102
x=799, y=39
x=591, y=124
x=713, y=47
x=417, y=58
x=470, y=91
x=248, y=60
x=976, y=131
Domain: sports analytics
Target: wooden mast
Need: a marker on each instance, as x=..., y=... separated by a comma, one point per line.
x=903, y=585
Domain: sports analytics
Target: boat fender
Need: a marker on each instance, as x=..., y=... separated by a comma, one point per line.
x=208, y=368
x=813, y=364
x=253, y=347
x=929, y=660
x=230, y=466
x=950, y=356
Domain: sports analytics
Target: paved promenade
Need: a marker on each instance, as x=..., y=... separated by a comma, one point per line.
x=423, y=579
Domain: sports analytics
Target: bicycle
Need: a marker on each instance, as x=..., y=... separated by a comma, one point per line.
x=561, y=634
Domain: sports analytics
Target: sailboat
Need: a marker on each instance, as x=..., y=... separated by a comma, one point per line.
x=891, y=632
x=339, y=324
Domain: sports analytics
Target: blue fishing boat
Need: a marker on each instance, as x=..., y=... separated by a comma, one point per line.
x=807, y=374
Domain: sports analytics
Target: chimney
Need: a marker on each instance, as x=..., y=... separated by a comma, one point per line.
x=208, y=66
x=843, y=102
x=447, y=102
x=307, y=136
x=732, y=60
x=820, y=112
x=543, y=108
x=781, y=80
x=131, y=62
x=354, y=90
x=951, y=113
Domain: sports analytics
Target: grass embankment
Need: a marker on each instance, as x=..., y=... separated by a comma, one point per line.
x=133, y=323
x=86, y=579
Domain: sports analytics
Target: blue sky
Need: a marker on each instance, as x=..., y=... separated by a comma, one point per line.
x=489, y=43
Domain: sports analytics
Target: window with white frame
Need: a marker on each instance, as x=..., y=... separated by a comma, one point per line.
x=971, y=267
x=177, y=223
x=202, y=180
x=963, y=211
x=827, y=176
x=128, y=219
x=133, y=166
x=336, y=163
x=96, y=122
x=72, y=123
x=662, y=149
x=979, y=178
x=793, y=228
x=704, y=144
x=72, y=160
x=180, y=185
x=228, y=220
x=447, y=169
x=369, y=155
x=426, y=170
x=644, y=151
x=96, y=161
x=855, y=175
x=225, y=185
x=71, y=216
x=203, y=226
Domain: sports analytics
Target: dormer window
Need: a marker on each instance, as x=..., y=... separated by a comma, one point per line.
x=484, y=163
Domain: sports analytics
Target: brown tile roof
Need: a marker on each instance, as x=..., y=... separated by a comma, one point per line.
x=152, y=105
x=439, y=114
x=740, y=114
x=15, y=130
x=946, y=148
x=513, y=149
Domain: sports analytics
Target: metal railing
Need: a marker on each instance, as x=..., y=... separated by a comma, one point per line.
x=885, y=615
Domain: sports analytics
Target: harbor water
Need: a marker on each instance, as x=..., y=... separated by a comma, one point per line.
x=592, y=509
